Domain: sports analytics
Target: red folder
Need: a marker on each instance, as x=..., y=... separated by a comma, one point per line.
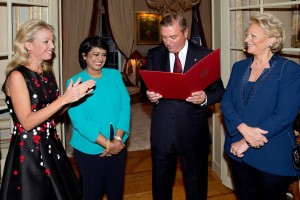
x=180, y=86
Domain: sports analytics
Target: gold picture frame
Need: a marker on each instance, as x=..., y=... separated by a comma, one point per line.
x=148, y=28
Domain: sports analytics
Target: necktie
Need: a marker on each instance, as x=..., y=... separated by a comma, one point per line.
x=177, y=64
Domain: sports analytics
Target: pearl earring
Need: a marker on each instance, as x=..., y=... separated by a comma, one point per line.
x=270, y=46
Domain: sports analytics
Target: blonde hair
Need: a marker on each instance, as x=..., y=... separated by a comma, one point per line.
x=27, y=34
x=273, y=28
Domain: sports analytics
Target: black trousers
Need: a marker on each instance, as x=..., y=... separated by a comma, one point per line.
x=102, y=175
x=251, y=183
x=195, y=172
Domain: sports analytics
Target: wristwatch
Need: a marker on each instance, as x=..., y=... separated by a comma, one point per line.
x=118, y=138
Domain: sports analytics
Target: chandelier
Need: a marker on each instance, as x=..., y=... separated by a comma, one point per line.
x=171, y=6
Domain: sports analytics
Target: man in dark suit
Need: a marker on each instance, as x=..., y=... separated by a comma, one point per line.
x=180, y=127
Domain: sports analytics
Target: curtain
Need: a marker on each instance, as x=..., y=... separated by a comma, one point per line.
x=94, y=20
x=197, y=33
x=76, y=20
x=205, y=22
x=76, y=17
x=120, y=17
x=189, y=18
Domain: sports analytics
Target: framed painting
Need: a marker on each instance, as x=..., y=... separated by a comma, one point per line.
x=148, y=28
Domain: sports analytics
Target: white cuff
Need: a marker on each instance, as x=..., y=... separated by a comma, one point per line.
x=205, y=102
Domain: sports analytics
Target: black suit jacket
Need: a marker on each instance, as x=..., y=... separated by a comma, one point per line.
x=176, y=120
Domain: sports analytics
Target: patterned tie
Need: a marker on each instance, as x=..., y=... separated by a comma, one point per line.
x=177, y=64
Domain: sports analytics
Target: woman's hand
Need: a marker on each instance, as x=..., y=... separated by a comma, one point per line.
x=253, y=135
x=105, y=153
x=77, y=90
x=115, y=147
x=238, y=148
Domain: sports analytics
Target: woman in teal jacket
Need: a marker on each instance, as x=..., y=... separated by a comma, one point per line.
x=100, y=124
x=260, y=104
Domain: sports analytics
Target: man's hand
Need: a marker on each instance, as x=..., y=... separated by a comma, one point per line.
x=198, y=97
x=153, y=97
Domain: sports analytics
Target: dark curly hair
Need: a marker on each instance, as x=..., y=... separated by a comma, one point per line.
x=86, y=46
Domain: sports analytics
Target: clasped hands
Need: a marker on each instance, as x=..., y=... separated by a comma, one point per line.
x=254, y=137
x=198, y=97
x=113, y=148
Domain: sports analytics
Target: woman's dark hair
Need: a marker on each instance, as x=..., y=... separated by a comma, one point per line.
x=86, y=46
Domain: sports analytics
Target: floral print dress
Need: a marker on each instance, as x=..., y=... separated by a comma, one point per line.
x=37, y=167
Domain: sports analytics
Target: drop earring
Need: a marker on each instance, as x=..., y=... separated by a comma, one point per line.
x=270, y=46
x=245, y=47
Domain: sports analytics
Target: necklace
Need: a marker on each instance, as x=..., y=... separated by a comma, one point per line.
x=41, y=74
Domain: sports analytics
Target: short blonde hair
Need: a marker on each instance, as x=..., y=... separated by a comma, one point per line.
x=27, y=34
x=273, y=28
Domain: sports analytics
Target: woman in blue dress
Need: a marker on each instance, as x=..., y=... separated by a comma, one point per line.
x=260, y=104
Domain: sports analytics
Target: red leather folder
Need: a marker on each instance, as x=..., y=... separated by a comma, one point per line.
x=180, y=86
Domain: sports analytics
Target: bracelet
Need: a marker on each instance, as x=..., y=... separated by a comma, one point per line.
x=107, y=145
x=118, y=138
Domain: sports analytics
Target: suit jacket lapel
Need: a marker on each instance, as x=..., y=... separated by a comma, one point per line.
x=192, y=57
x=165, y=63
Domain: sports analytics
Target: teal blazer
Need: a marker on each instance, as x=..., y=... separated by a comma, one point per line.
x=109, y=103
x=272, y=105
